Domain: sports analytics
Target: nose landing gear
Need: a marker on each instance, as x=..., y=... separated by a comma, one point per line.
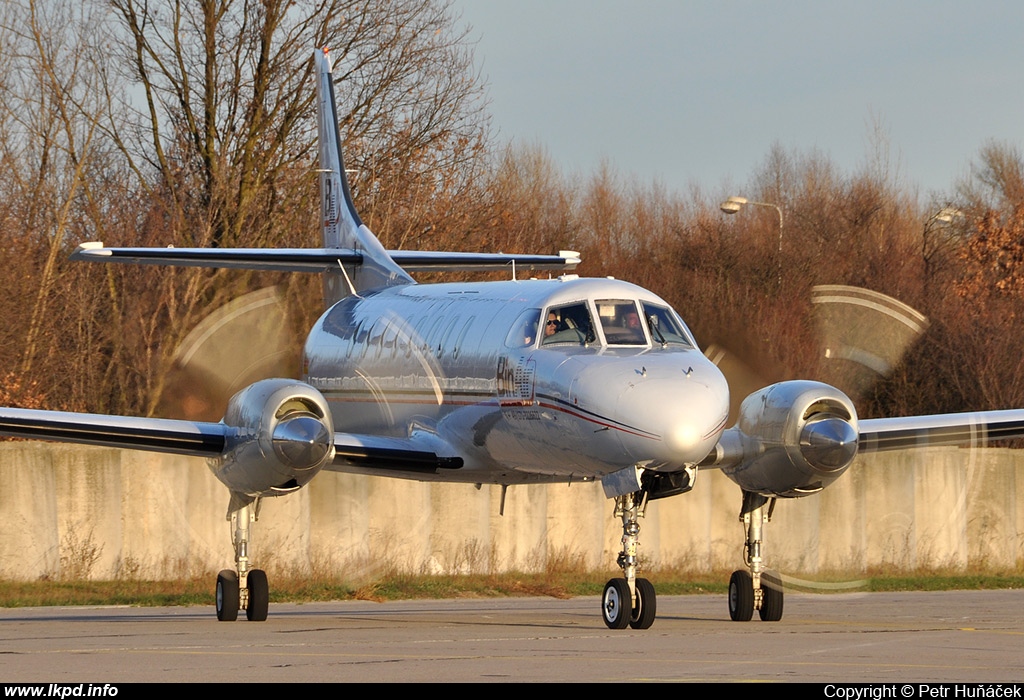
x=629, y=601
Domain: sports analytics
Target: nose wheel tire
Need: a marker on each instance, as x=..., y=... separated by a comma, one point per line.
x=615, y=604
x=227, y=596
x=259, y=596
x=619, y=613
x=741, y=596
x=771, y=602
x=646, y=606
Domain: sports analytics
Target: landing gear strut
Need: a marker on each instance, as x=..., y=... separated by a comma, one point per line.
x=244, y=588
x=755, y=588
x=629, y=601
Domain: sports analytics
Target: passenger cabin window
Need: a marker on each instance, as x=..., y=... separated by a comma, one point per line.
x=568, y=324
x=666, y=327
x=620, y=321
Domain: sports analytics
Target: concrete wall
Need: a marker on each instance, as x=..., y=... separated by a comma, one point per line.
x=68, y=511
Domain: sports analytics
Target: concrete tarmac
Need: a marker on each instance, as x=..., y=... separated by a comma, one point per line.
x=955, y=636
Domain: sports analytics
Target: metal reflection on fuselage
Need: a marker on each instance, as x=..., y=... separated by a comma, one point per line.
x=471, y=363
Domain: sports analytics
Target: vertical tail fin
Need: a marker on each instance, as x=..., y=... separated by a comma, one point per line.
x=342, y=227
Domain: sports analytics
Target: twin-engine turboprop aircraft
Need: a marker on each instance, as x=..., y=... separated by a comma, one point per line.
x=501, y=383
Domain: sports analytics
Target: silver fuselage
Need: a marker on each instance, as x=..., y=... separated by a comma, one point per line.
x=453, y=362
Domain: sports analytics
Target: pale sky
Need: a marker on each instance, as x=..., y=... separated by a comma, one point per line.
x=698, y=92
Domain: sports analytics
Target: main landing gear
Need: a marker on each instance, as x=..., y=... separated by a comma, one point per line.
x=755, y=588
x=244, y=588
x=629, y=601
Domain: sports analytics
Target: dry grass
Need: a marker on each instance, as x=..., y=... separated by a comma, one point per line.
x=392, y=584
x=559, y=573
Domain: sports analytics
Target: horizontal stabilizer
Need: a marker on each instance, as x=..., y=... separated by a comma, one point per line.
x=320, y=259
x=429, y=261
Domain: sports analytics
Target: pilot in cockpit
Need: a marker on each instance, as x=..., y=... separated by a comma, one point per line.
x=552, y=325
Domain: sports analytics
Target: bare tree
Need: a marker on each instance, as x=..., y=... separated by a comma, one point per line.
x=996, y=180
x=228, y=96
x=49, y=116
x=191, y=123
x=223, y=136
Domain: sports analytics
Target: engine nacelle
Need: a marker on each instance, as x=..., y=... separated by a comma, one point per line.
x=792, y=439
x=283, y=436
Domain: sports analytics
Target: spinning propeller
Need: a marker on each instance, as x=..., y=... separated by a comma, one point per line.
x=243, y=341
x=863, y=335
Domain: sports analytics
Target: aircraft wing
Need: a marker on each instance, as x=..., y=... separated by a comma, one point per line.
x=151, y=434
x=883, y=434
x=199, y=439
x=319, y=259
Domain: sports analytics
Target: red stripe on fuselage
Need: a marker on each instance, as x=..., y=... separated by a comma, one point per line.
x=577, y=413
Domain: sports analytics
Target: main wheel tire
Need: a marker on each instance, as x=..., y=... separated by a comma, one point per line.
x=615, y=604
x=646, y=607
x=771, y=597
x=741, y=596
x=259, y=596
x=227, y=596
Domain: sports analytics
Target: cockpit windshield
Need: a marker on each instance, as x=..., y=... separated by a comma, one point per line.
x=666, y=327
x=620, y=321
x=568, y=324
x=623, y=322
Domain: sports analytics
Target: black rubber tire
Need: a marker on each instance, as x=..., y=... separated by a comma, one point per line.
x=741, y=596
x=771, y=597
x=259, y=596
x=646, y=607
x=227, y=595
x=615, y=604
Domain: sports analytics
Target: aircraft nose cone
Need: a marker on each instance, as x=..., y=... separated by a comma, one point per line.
x=683, y=415
x=683, y=434
x=302, y=442
x=829, y=444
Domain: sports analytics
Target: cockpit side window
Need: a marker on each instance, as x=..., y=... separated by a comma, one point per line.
x=568, y=324
x=620, y=321
x=666, y=327
x=524, y=331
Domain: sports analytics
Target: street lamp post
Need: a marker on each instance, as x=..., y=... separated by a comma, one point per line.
x=734, y=204
x=932, y=243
